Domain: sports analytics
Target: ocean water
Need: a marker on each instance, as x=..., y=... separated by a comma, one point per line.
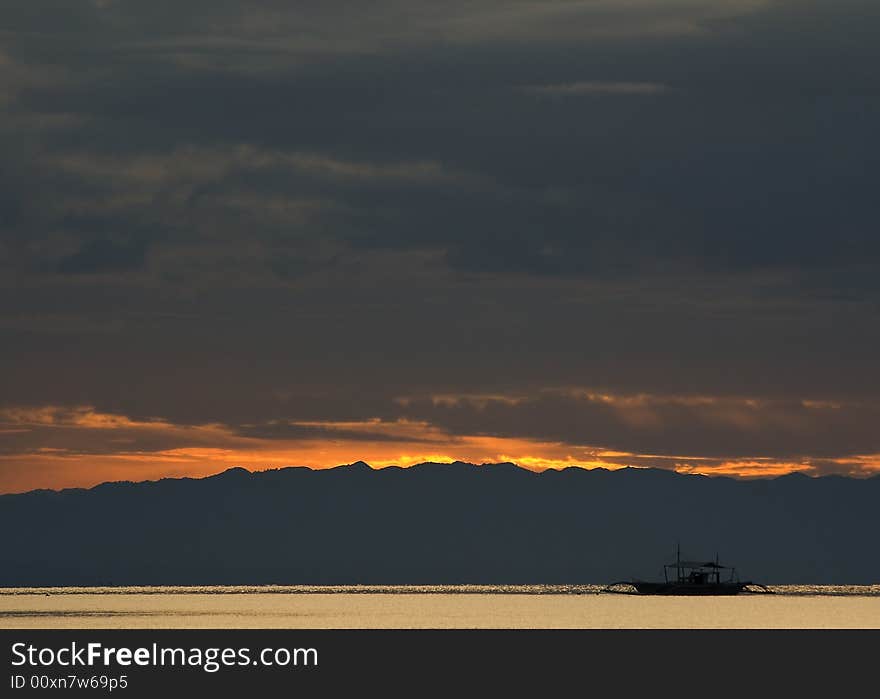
x=439, y=606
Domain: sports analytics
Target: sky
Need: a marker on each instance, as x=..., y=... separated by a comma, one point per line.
x=560, y=233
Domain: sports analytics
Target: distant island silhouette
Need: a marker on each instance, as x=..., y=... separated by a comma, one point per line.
x=438, y=524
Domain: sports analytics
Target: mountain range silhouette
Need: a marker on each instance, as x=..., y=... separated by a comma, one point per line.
x=439, y=524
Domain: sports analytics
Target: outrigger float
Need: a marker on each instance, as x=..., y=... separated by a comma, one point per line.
x=690, y=578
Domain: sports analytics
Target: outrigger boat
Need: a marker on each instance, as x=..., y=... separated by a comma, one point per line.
x=690, y=578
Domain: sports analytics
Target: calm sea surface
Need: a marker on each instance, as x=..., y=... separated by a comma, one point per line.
x=446, y=606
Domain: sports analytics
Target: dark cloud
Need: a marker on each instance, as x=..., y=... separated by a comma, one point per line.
x=736, y=166
x=244, y=201
x=720, y=428
x=104, y=255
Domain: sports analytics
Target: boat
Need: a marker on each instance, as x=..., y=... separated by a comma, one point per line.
x=698, y=577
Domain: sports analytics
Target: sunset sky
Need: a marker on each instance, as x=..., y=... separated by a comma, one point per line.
x=558, y=232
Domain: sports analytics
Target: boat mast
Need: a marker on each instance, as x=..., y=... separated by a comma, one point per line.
x=678, y=558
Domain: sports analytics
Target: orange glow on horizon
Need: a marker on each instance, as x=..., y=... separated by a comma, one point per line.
x=81, y=447
x=747, y=469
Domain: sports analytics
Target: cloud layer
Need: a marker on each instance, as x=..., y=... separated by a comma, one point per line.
x=265, y=214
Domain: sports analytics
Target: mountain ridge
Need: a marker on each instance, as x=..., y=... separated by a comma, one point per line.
x=394, y=467
x=438, y=523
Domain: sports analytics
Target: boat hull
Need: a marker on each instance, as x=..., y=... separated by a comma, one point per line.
x=676, y=588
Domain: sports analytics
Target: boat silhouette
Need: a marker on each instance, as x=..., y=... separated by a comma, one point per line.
x=685, y=577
